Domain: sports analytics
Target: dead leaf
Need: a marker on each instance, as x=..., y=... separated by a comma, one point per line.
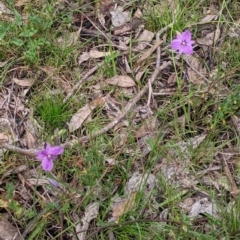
x=7, y=230
x=2, y=64
x=68, y=39
x=172, y=79
x=209, y=17
x=123, y=206
x=112, y=108
x=120, y=138
x=32, y=129
x=148, y=126
x=83, y=113
x=147, y=53
x=15, y=170
x=138, y=14
x=83, y=57
x=21, y=3
x=196, y=70
x=203, y=206
x=120, y=17
x=105, y=6
x=23, y=82
x=98, y=54
x=4, y=9
x=121, y=81
x=210, y=38
x=186, y=146
x=93, y=54
x=3, y=137
x=101, y=19
x=127, y=27
x=91, y=213
x=139, y=75
x=138, y=181
x=144, y=39
x=143, y=144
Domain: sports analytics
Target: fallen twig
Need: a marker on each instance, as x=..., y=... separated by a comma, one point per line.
x=234, y=189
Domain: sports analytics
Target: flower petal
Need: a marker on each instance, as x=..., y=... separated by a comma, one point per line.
x=48, y=147
x=176, y=41
x=186, y=35
x=57, y=150
x=47, y=164
x=188, y=50
x=41, y=155
x=176, y=45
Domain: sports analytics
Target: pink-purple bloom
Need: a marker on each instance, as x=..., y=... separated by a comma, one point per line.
x=48, y=155
x=183, y=43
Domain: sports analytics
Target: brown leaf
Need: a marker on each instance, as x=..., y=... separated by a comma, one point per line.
x=93, y=54
x=121, y=81
x=2, y=64
x=148, y=127
x=91, y=212
x=21, y=3
x=124, y=206
x=144, y=39
x=105, y=6
x=196, y=71
x=4, y=9
x=210, y=38
x=68, y=39
x=23, y=82
x=83, y=113
x=7, y=230
x=147, y=53
x=208, y=18
x=98, y=54
x=120, y=17
x=3, y=137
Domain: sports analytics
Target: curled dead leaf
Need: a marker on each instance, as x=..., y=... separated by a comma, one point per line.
x=23, y=82
x=121, y=81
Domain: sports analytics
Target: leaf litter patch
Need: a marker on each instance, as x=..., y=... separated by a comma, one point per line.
x=165, y=126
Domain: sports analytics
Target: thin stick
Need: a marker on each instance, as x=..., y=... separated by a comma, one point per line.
x=150, y=91
x=12, y=148
x=234, y=189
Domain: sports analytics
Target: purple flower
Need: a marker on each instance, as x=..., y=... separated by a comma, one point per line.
x=183, y=43
x=47, y=156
